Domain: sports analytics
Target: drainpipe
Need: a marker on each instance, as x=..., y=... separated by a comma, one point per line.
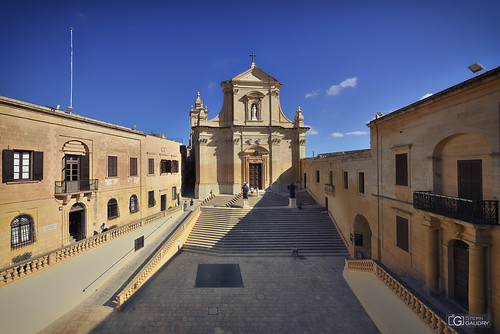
x=379, y=238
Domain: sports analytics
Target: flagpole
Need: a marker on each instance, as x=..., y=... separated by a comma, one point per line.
x=71, y=91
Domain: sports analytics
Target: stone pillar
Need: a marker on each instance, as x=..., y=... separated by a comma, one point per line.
x=476, y=279
x=432, y=255
x=432, y=261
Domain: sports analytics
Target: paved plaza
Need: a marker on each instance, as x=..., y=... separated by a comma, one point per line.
x=280, y=295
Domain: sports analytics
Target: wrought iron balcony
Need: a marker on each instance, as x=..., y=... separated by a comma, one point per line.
x=70, y=187
x=472, y=211
x=330, y=189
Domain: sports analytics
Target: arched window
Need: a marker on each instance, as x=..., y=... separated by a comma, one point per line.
x=113, y=209
x=134, y=204
x=22, y=231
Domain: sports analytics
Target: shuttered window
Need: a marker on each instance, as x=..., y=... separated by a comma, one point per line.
x=402, y=233
x=402, y=169
x=175, y=166
x=133, y=166
x=112, y=166
x=151, y=198
x=21, y=165
x=151, y=164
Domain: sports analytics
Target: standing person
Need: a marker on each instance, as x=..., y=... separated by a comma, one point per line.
x=185, y=205
x=211, y=193
x=245, y=191
x=191, y=203
x=257, y=191
x=251, y=191
x=104, y=227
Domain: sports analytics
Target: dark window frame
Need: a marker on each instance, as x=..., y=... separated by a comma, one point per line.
x=174, y=193
x=34, y=165
x=401, y=169
x=133, y=204
x=20, y=230
x=317, y=176
x=133, y=166
x=112, y=166
x=346, y=179
x=113, y=211
x=151, y=166
x=402, y=233
x=151, y=199
x=361, y=182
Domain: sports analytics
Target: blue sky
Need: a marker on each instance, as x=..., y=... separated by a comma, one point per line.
x=142, y=63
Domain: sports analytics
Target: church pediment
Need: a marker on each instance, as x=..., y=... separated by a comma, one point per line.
x=254, y=74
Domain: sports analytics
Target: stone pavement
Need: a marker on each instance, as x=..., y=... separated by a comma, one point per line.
x=280, y=295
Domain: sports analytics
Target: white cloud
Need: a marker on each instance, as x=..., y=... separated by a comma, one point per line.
x=352, y=133
x=336, y=89
x=336, y=135
x=312, y=131
x=312, y=94
x=426, y=96
x=356, y=133
x=212, y=84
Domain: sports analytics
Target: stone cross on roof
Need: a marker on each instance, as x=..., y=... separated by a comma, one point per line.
x=253, y=55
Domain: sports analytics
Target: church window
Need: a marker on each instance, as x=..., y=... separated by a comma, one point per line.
x=113, y=209
x=22, y=231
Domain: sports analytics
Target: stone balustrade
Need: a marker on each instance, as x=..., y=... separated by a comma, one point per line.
x=431, y=319
x=20, y=270
x=165, y=253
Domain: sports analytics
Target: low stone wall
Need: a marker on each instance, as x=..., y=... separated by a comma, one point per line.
x=20, y=270
x=430, y=318
x=172, y=245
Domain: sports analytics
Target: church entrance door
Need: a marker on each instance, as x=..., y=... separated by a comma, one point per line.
x=255, y=175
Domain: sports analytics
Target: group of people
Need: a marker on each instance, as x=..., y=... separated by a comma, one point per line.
x=245, y=189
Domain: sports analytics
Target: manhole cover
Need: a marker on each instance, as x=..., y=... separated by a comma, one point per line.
x=218, y=276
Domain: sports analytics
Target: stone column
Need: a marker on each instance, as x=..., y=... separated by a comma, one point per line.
x=476, y=279
x=432, y=255
x=432, y=261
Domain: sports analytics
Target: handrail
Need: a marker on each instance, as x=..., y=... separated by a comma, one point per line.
x=429, y=317
x=165, y=253
x=472, y=211
x=22, y=269
x=61, y=187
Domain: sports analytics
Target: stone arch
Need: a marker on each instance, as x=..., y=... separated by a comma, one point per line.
x=460, y=147
x=362, y=238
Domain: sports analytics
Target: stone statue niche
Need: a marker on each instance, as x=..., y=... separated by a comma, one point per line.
x=254, y=113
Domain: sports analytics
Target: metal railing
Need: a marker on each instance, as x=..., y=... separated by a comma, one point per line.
x=68, y=187
x=330, y=189
x=472, y=211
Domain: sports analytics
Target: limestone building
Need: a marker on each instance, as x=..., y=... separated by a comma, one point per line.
x=63, y=175
x=424, y=199
x=250, y=140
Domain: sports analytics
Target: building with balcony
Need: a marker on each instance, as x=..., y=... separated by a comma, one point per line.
x=63, y=175
x=431, y=192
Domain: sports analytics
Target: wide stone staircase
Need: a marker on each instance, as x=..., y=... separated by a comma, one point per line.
x=265, y=230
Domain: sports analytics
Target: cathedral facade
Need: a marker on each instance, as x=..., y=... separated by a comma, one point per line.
x=250, y=140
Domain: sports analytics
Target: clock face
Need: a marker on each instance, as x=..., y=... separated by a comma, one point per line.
x=256, y=153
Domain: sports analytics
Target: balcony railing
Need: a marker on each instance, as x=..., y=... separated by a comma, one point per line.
x=330, y=189
x=69, y=187
x=472, y=211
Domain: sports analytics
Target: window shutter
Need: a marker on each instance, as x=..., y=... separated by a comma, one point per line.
x=84, y=173
x=7, y=166
x=402, y=169
x=38, y=166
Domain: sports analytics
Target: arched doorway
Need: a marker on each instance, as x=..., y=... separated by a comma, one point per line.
x=362, y=238
x=77, y=222
x=461, y=272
